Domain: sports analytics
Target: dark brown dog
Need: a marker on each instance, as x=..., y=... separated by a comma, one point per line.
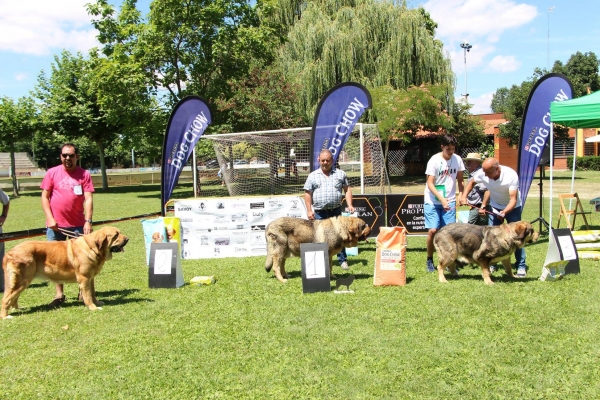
x=74, y=260
x=285, y=234
x=483, y=245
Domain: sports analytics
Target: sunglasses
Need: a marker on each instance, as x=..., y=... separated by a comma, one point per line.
x=68, y=155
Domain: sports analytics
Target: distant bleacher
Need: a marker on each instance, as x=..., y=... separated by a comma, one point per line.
x=23, y=163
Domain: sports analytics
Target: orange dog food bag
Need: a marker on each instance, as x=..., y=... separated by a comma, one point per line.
x=390, y=259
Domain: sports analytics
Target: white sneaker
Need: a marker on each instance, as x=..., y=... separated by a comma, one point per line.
x=521, y=272
x=344, y=265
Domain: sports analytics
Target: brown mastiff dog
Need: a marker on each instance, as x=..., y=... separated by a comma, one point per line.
x=483, y=245
x=75, y=260
x=284, y=236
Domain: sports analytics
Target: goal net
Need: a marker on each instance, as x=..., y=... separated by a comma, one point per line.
x=278, y=162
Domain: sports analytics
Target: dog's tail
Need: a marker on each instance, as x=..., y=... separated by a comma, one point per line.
x=269, y=263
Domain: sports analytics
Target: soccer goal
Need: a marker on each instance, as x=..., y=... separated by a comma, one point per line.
x=278, y=161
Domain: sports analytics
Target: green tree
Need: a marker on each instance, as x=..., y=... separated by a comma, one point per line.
x=582, y=71
x=371, y=42
x=499, y=100
x=72, y=103
x=17, y=123
x=469, y=129
x=262, y=100
x=513, y=107
x=190, y=47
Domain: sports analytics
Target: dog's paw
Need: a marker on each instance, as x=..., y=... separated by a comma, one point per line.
x=8, y=317
x=99, y=303
x=490, y=282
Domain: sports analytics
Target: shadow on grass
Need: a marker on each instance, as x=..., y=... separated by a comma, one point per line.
x=102, y=296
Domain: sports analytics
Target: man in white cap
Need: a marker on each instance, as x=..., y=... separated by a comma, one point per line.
x=475, y=196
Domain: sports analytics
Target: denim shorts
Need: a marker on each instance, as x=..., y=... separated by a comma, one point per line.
x=436, y=217
x=59, y=236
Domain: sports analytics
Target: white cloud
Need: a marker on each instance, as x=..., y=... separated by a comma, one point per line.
x=21, y=76
x=504, y=64
x=39, y=27
x=474, y=19
x=481, y=104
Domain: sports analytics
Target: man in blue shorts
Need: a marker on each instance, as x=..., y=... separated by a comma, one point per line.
x=443, y=171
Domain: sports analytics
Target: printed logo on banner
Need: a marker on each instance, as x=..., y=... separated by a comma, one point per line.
x=239, y=217
x=219, y=219
x=186, y=220
x=362, y=212
x=275, y=215
x=204, y=240
x=203, y=230
x=254, y=206
x=258, y=239
x=202, y=206
x=275, y=204
x=220, y=205
x=222, y=241
x=258, y=227
x=220, y=228
x=294, y=215
x=294, y=204
x=241, y=249
x=183, y=207
x=259, y=250
x=236, y=206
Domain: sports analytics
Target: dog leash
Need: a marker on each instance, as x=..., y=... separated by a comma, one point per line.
x=69, y=234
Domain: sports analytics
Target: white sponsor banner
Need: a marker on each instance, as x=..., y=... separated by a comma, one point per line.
x=231, y=227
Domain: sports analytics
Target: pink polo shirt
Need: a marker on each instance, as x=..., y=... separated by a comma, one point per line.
x=65, y=203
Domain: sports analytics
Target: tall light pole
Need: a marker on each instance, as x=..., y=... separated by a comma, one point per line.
x=548, y=62
x=466, y=47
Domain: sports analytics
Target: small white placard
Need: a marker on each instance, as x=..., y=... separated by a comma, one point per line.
x=315, y=264
x=566, y=245
x=162, y=261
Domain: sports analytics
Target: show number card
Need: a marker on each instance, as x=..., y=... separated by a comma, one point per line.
x=315, y=267
x=165, y=266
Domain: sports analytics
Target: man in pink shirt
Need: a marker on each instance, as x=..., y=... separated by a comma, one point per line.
x=67, y=202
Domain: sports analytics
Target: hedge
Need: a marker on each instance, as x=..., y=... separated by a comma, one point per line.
x=588, y=163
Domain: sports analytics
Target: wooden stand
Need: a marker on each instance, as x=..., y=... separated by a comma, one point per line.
x=568, y=211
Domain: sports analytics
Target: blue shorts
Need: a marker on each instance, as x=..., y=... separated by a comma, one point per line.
x=436, y=217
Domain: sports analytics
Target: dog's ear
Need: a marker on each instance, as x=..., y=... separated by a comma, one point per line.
x=521, y=229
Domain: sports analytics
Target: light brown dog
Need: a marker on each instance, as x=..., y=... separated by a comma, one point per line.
x=74, y=260
x=284, y=236
x=483, y=245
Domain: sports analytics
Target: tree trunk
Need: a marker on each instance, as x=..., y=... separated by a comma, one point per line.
x=13, y=171
x=102, y=165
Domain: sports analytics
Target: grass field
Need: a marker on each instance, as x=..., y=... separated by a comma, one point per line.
x=249, y=336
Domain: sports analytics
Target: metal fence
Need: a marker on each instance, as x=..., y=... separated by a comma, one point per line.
x=397, y=160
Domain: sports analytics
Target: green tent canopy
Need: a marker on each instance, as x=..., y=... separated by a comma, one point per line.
x=582, y=112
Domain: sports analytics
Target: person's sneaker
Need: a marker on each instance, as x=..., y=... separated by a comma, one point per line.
x=430, y=266
x=492, y=269
x=456, y=273
x=522, y=272
x=344, y=265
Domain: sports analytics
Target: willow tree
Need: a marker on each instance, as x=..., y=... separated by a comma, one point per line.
x=375, y=43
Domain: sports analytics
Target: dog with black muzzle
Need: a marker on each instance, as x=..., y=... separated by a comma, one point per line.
x=482, y=245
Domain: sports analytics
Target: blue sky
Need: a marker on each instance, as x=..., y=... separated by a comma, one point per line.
x=509, y=39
